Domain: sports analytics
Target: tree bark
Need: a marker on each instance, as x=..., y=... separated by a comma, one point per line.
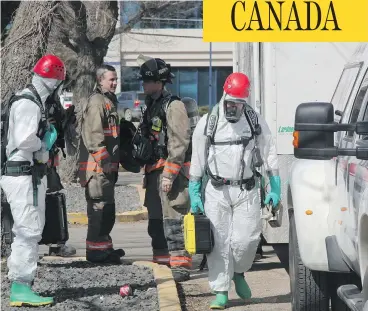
x=80, y=35
x=25, y=44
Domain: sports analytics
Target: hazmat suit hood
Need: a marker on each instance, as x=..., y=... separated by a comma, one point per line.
x=45, y=86
x=234, y=115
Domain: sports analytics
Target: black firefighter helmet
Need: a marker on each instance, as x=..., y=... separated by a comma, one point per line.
x=127, y=131
x=154, y=69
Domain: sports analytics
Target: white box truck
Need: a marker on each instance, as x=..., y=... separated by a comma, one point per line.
x=283, y=75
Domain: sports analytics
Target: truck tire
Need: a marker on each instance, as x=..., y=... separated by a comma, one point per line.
x=309, y=289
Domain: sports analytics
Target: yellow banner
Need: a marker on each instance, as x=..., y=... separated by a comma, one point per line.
x=285, y=21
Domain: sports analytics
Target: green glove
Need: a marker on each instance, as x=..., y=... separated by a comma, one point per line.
x=196, y=204
x=275, y=193
x=50, y=137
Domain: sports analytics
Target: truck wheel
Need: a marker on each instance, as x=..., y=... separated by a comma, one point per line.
x=309, y=289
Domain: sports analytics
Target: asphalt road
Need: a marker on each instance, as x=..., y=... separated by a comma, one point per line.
x=126, y=178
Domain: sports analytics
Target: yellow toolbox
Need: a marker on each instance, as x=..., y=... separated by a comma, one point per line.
x=198, y=235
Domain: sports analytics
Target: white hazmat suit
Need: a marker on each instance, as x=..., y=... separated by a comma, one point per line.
x=29, y=220
x=235, y=215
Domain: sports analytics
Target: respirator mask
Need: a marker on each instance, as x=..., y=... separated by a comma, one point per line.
x=233, y=109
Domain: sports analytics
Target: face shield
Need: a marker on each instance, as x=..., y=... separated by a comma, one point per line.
x=233, y=109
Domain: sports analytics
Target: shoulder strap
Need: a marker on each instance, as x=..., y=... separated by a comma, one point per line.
x=5, y=121
x=168, y=101
x=165, y=106
x=15, y=98
x=36, y=99
x=211, y=122
x=252, y=119
x=213, y=116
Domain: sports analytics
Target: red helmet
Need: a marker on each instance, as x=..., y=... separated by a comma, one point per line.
x=237, y=85
x=50, y=66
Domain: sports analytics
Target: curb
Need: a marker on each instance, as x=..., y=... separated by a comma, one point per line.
x=168, y=297
x=167, y=293
x=131, y=216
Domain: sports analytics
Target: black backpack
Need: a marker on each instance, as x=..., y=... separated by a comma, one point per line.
x=5, y=114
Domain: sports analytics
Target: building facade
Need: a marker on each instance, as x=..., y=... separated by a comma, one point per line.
x=173, y=33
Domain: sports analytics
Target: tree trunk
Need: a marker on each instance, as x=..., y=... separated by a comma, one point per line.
x=25, y=44
x=80, y=35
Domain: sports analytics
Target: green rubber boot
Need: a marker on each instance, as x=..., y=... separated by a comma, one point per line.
x=22, y=295
x=241, y=286
x=220, y=302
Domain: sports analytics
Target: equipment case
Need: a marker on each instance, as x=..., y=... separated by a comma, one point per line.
x=198, y=235
x=56, y=223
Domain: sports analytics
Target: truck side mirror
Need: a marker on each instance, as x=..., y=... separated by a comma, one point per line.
x=314, y=133
x=312, y=113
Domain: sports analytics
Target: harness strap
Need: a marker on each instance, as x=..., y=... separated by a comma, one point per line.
x=18, y=168
x=232, y=142
x=240, y=182
x=209, y=132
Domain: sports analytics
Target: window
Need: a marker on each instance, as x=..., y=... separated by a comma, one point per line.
x=141, y=96
x=129, y=81
x=178, y=15
x=203, y=87
x=344, y=88
x=220, y=80
x=358, y=102
x=188, y=82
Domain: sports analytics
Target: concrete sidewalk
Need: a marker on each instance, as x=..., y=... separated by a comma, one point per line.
x=132, y=237
x=268, y=279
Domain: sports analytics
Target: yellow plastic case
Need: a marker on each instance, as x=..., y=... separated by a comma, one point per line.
x=198, y=236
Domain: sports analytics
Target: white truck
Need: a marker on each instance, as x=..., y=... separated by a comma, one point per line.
x=284, y=75
x=325, y=218
x=328, y=196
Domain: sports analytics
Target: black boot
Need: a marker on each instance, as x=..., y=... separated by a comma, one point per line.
x=62, y=250
x=203, y=263
x=259, y=253
x=180, y=274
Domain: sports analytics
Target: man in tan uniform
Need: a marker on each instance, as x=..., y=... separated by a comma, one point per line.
x=165, y=131
x=98, y=167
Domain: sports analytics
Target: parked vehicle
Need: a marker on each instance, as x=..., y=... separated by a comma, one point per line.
x=66, y=99
x=328, y=197
x=130, y=105
x=282, y=76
